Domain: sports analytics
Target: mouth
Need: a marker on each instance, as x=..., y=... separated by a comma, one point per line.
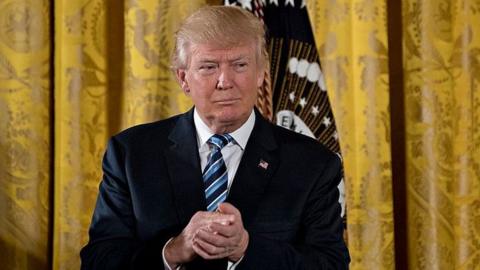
x=227, y=101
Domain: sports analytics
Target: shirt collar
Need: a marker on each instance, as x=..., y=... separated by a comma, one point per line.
x=240, y=135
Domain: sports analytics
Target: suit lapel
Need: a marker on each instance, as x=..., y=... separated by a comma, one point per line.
x=184, y=170
x=255, y=170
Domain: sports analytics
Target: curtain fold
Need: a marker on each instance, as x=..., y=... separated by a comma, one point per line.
x=442, y=75
x=352, y=41
x=80, y=122
x=25, y=134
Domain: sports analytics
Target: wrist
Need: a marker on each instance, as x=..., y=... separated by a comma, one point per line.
x=175, y=254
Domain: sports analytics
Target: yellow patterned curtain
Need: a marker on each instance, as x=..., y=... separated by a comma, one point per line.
x=442, y=100
x=352, y=41
x=81, y=112
x=25, y=134
x=441, y=120
x=72, y=73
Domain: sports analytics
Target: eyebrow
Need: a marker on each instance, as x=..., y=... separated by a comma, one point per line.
x=240, y=57
x=208, y=59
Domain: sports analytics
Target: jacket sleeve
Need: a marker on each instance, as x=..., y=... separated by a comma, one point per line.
x=113, y=242
x=320, y=244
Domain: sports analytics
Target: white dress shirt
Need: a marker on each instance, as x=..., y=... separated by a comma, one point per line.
x=232, y=154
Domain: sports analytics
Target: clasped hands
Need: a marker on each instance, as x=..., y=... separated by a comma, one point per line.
x=210, y=235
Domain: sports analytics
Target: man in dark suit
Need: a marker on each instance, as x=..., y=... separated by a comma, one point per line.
x=218, y=187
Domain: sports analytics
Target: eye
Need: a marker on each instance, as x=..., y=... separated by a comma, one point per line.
x=207, y=68
x=240, y=66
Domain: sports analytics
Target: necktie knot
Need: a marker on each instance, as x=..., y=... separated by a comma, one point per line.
x=220, y=140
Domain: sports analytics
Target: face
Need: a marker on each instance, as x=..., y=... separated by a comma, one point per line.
x=222, y=83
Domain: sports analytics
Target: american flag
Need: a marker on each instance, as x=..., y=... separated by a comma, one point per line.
x=263, y=164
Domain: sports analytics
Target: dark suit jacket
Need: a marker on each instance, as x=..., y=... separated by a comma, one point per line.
x=152, y=186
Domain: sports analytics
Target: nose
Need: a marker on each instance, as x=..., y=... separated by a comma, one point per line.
x=224, y=80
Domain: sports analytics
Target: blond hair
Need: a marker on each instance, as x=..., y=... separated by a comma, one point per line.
x=223, y=26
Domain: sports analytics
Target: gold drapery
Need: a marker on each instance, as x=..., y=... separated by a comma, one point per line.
x=72, y=73
x=352, y=41
x=442, y=97
x=441, y=67
x=25, y=134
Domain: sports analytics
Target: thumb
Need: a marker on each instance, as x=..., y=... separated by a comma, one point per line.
x=228, y=208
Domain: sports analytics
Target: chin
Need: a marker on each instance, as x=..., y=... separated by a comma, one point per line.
x=232, y=116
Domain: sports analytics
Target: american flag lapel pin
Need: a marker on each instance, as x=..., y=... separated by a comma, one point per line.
x=263, y=164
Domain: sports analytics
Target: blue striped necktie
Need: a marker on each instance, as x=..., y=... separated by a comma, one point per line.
x=215, y=175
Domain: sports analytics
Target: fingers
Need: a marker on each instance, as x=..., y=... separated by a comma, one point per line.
x=209, y=251
x=211, y=244
x=217, y=234
x=204, y=219
x=219, y=217
x=228, y=208
x=215, y=239
x=227, y=231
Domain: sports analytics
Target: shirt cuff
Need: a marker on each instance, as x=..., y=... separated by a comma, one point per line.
x=233, y=265
x=165, y=263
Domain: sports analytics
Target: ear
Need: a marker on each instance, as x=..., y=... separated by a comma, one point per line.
x=261, y=78
x=181, y=78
